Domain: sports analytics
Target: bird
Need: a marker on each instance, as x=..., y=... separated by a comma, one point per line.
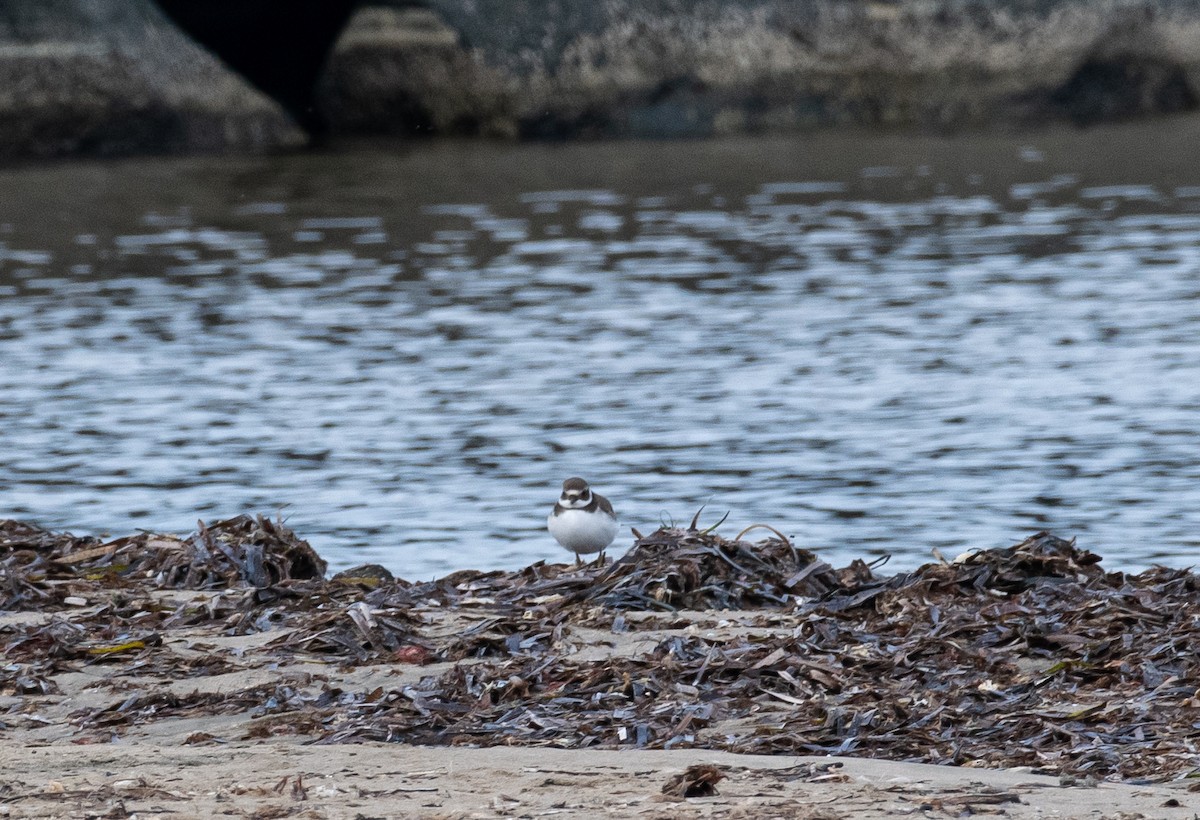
x=582, y=521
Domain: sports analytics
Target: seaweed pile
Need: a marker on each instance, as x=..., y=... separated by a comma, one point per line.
x=41, y=569
x=1028, y=655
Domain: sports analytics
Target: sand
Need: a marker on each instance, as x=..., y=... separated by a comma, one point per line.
x=288, y=779
x=199, y=764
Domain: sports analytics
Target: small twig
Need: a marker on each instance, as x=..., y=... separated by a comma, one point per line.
x=704, y=666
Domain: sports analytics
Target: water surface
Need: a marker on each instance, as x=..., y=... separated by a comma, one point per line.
x=875, y=344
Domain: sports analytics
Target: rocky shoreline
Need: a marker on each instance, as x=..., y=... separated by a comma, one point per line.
x=81, y=78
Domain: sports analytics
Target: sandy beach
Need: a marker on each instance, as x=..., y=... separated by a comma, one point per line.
x=264, y=779
x=187, y=691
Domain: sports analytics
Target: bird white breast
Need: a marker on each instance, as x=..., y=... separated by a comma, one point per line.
x=583, y=532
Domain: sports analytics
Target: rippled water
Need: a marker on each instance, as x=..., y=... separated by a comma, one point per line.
x=877, y=345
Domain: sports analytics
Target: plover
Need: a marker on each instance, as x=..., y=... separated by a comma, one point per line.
x=582, y=521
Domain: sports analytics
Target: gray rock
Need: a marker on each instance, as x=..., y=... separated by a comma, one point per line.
x=570, y=68
x=115, y=77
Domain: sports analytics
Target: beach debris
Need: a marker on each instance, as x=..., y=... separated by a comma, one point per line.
x=699, y=780
x=44, y=571
x=969, y=802
x=673, y=569
x=1031, y=655
x=369, y=576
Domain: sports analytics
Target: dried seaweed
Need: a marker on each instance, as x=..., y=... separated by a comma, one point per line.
x=268, y=699
x=1029, y=655
x=355, y=633
x=40, y=570
x=697, y=781
x=674, y=569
